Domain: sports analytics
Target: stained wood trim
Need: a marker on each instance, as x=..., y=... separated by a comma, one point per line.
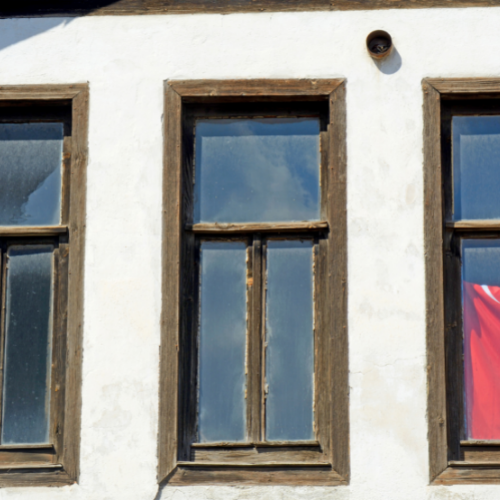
x=331, y=407
x=34, y=477
x=77, y=223
x=436, y=377
x=32, y=231
x=212, y=89
x=254, y=342
x=263, y=227
x=461, y=463
x=241, y=476
x=30, y=466
x=49, y=448
x=464, y=85
x=253, y=465
x=261, y=444
x=335, y=443
x=53, y=8
x=483, y=225
x=41, y=92
x=258, y=454
x=468, y=475
x=171, y=282
x=480, y=442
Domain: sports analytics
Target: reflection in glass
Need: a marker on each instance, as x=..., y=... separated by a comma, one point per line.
x=481, y=323
x=290, y=342
x=476, y=167
x=222, y=408
x=257, y=170
x=28, y=336
x=30, y=173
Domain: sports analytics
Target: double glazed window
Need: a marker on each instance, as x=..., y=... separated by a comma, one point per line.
x=259, y=346
x=42, y=180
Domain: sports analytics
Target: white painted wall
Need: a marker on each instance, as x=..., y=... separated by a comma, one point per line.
x=126, y=60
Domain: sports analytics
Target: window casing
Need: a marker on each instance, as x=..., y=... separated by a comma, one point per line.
x=460, y=236
x=41, y=250
x=255, y=456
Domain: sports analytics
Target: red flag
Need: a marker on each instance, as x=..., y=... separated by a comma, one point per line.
x=482, y=360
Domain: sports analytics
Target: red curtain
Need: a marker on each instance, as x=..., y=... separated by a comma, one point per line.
x=482, y=360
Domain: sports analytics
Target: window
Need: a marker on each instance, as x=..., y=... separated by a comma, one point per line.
x=254, y=343
x=462, y=225
x=42, y=210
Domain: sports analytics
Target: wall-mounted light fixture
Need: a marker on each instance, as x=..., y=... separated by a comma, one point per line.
x=379, y=44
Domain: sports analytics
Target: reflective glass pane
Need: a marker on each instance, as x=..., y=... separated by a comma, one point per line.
x=257, y=170
x=28, y=325
x=222, y=407
x=476, y=167
x=30, y=173
x=481, y=322
x=290, y=341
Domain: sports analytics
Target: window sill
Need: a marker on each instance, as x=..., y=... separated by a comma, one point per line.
x=270, y=473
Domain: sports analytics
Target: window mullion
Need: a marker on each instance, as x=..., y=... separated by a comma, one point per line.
x=254, y=358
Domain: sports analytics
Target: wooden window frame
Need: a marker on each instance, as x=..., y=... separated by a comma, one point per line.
x=178, y=463
x=452, y=458
x=57, y=463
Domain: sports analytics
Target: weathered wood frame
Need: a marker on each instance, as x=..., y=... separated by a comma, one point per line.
x=452, y=458
x=57, y=463
x=176, y=464
x=33, y=8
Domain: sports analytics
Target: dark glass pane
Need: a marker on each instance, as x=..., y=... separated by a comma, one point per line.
x=290, y=341
x=222, y=408
x=30, y=173
x=476, y=167
x=25, y=416
x=257, y=170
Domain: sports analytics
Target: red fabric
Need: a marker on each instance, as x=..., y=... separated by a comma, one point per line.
x=482, y=360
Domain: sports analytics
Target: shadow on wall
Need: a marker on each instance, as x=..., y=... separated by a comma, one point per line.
x=55, y=12
x=391, y=64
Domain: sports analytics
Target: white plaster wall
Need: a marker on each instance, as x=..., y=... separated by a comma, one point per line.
x=126, y=60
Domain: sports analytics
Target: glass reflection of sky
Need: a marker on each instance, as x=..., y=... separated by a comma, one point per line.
x=257, y=170
x=222, y=409
x=476, y=167
x=289, y=338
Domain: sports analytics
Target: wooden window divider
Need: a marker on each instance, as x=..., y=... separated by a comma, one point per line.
x=471, y=225
x=253, y=465
x=6, y=231
x=261, y=444
x=252, y=227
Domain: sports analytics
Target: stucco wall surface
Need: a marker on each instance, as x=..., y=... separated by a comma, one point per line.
x=126, y=60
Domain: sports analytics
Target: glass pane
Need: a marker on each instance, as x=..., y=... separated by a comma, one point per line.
x=30, y=173
x=222, y=408
x=476, y=167
x=257, y=170
x=290, y=341
x=28, y=324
